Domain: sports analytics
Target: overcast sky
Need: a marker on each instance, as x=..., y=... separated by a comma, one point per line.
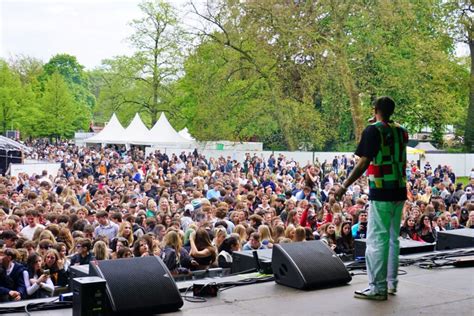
x=91, y=30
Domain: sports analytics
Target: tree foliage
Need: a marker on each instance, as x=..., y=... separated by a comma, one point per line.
x=140, y=83
x=61, y=112
x=74, y=75
x=332, y=59
x=461, y=21
x=291, y=74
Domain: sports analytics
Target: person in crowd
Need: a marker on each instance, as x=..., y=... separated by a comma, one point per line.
x=83, y=252
x=100, y=250
x=468, y=196
x=202, y=250
x=455, y=223
x=266, y=236
x=220, y=234
x=37, y=281
x=12, y=281
x=119, y=243
x=9, y=238
x=142, y=247
x=124, y=252
x=300, y=234
x=345, y=242
x=106, y=227
x=242, y=232
x=425, y=230
x=470, y=221
x=328, y=235
x=254, y=242
x=125, y=231
x=32, y=218
x=359, y=229
x=58, y=274
x=63, y=260
x=408, y=229
x=176, y=258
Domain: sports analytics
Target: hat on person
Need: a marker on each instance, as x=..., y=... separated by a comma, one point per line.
x=189, y=208
x=196, y=204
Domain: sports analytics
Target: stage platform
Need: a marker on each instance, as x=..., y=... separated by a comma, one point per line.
x=440, y=291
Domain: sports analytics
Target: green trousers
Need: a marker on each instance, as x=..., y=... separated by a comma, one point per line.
x=383, y=246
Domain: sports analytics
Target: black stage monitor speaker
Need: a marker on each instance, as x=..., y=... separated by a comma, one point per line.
x=407, y=247
x=138, y=285
x=454, y=239
x=245, y=261
x=308, y=265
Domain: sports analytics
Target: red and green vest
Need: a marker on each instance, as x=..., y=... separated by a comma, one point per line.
x=387, y=169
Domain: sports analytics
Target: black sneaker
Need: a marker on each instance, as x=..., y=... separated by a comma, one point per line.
x=369, y=295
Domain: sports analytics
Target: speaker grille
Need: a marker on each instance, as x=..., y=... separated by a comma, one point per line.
x=312, y=263
x=139, y=284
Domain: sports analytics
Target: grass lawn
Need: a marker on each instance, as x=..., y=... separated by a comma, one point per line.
x=463, y=180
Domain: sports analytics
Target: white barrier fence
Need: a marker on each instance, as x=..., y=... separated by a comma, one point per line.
x=462, y=164
x=35, y=168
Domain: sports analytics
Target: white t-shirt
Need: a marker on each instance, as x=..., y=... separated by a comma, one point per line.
x=28, y=231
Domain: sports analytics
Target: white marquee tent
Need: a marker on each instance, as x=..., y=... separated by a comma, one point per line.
x=163, y=133
x=185, y=134
x=137, y=133
x=113, y=133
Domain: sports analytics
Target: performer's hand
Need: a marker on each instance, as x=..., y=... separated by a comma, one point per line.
x=339, y=193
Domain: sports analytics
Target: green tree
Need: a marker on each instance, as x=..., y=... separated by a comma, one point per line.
x=60, y=110
x=248, y=63
x=19, y=108
x=76, y=79
x=140, y=83
x=338, y=57
x=28, y=68
x=461, y=18
x=10, y=90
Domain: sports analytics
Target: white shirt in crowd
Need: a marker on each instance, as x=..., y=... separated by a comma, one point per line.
x=28, y=231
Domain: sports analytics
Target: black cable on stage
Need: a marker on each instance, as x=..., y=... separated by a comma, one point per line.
x=223, y=286
x=193, y=299
x=30, y=307
x=243, y=272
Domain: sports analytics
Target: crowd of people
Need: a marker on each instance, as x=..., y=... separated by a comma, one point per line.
x=193, y=211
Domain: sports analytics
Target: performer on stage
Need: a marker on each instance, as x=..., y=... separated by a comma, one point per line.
x=382, y=152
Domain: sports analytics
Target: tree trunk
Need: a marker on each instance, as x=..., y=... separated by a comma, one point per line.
x=156, y=82
x=353, y=94
x=4, y=122
x=469, y=131
x=154, y=117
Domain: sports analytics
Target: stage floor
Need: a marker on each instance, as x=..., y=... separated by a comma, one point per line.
x=441, y=291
